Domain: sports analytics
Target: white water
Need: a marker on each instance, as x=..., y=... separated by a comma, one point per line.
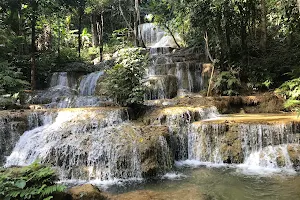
x=150, y=34
x=88, y=84
x=59, y=79
x=82, y=144
x=264, y=147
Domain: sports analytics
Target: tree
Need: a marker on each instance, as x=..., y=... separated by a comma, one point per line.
x=263, y=25
x=97, y=9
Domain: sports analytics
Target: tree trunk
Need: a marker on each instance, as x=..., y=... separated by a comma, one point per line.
x=79, y=30
x=263, y=39
x=171, y=33
x=33, y=45
x=298, y=3
x=136, y=22
x=95, y=38
x=227, y=27
x=124, y=17
x=100, y=31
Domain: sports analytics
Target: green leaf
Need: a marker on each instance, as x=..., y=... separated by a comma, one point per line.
x=20, y=184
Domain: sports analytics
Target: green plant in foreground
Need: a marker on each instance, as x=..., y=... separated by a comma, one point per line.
x=290, y=90
x=32, y=182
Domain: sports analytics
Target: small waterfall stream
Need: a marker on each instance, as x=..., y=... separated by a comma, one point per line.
x=68, y=91
x=88, y=83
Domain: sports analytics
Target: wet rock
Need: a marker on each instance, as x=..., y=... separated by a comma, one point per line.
x=294, y=153
x=87, y=192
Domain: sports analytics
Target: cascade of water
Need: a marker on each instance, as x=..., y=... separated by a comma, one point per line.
x=84, y=144
x=179, y=120
x=88, y=84
x=266, y=145
x=165, y=159
x=205, y=142
x=59, y=79
x=150, y=34
x=254, y=145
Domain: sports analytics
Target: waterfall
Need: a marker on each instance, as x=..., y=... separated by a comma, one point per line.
x=204, y=143
x=63, y=94
x=150, y=34
x=63, y=79
x=174, y=73
x=88, y=84
x=85, y=144
x=254, y=146
x=178, y=120
x=59, y=79
x=271, y=157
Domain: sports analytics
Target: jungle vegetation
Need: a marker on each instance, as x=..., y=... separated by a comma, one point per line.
x=254, y=44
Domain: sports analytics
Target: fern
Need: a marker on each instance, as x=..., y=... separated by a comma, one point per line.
x=31, y=182
x=290, y=90
x=11, y=79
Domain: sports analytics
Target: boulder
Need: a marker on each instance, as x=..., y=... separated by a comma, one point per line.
x=86, y=192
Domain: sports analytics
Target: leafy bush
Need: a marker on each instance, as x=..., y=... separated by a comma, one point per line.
x=32, y=182
x=11, y=79
x=124, y=79
x=67, y=55
x=290, y=90
x=227, y=83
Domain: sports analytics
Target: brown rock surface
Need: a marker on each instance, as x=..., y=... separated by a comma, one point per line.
x=87, y=192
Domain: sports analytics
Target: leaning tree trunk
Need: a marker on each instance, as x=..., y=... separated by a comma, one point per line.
x=263, y=40
x=172, y=35
x=33, y=45
x=124, y=17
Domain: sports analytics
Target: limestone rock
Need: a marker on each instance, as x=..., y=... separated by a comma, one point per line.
x=86, y=192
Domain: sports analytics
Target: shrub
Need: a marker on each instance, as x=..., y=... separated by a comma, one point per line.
x=31, y=182
x=11, y=79
x=67, y=55
x=290, y=90
x=227, y=83
x=124, y=79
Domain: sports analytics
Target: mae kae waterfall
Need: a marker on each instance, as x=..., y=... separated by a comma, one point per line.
x=175, y=150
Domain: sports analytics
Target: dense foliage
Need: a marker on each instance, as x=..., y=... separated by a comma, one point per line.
x=290, y=90
x=32, y=182
x=124, y=80
x=227, y=83
x=259, y=39
x=11, y=79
